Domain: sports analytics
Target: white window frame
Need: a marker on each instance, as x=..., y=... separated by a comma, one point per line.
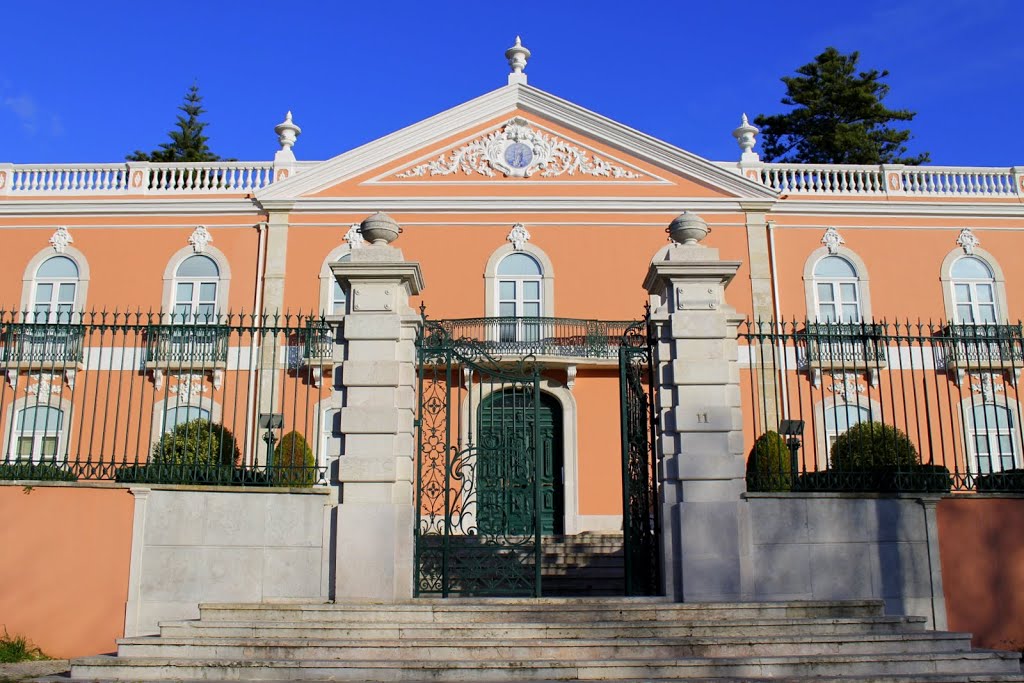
x=327, y=281
x=203, y=402
x=967, y=409
x=949, y=283
x=822, y=440
x=861, y=281
x=12, y=433
x=170, y=280
x=547, y=279
x=29, y=280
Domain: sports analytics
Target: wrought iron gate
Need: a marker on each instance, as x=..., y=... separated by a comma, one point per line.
x=640, y=518
x=478, y=475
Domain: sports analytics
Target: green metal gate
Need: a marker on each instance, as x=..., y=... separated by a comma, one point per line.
x=478, y=475
x=640, y=518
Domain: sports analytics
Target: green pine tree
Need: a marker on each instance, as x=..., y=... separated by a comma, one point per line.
x=187, y=141
x=837, y=117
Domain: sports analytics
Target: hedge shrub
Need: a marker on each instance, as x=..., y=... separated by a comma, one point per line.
x=35, y=471
x=198, y=443
x=872, y=445
x=294, y=464
x=769, y=466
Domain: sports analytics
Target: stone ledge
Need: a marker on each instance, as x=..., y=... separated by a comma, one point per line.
x=34, y=483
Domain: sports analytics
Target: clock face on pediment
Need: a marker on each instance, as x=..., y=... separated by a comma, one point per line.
x=520, y=149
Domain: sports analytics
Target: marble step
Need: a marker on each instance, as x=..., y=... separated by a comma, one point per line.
x=401, y=669
x=543, y=649
x=665, y=629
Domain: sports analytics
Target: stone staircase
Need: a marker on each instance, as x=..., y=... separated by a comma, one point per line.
x=547, y=639
x=588, y=564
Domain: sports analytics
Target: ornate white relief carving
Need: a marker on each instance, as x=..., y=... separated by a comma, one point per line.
x=832, y=240
x=519, y=236
x=968, y=241
x=354, y=237
x=46, y=385
x=570, y=376
x=988, y=385
x=200, y=239
x=61, y=239
x=189, y=387
x=847, y=385
x=519, y=151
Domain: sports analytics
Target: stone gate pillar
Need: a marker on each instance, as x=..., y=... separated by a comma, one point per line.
x=705, y=537
x=373, y=535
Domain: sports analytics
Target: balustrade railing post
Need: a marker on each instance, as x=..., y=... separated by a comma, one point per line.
x=138, y=177
x=892, y=175
x=6, y=178
x=1018, y=180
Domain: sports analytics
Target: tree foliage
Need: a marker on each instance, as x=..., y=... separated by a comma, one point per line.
x=870, y=445
x=187, y=140
x=837, y=117
x=197, y=442
x=769, y=466
x=294, y=464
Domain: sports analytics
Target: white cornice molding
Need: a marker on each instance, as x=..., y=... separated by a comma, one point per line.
x=494, y=104
x=129, y=207
x=506, y=204
x=893, y=209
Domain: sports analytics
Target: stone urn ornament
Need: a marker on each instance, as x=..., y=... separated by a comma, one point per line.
x=687, y=229
x=380, y=229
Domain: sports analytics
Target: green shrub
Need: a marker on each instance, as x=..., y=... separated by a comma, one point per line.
x=294, y=464
x=199, y=444
x=40, y=471
x=18, y=649
x=769, y=467
x=1007, y=481
x=873, y=445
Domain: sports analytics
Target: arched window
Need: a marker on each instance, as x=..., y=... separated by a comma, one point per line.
x=519, y=293
x=841, y=417
x=991, y=438
x=330, y=436
x=836, y=290
x=181, y=414
x=196, y=281
x=974, y=291
x=338, y=297
x=55, y=290
x=37, y=433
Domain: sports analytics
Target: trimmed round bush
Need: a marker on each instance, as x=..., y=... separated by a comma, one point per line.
x=873, y=445
x=769, y=467
x=198, y=443
x=294, y=464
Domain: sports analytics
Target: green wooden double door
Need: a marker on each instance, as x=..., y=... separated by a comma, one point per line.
x=505, y=470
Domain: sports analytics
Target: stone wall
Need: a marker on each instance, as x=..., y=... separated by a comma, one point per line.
x=829, y=546
x=204, y=544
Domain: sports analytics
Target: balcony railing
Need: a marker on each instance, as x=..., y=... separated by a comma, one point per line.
x=318, y=342
x=187, y=345
x=983, y=347
x=845, y=345
x=552, y=337
x=42, y=345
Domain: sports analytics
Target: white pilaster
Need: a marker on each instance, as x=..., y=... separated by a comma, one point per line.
x=375, y=519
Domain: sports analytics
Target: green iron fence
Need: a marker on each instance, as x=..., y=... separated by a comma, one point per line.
x=133, y=397
x=543, y=337
x=884, y=406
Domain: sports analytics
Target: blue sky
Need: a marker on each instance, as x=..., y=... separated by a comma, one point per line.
x=93, y=81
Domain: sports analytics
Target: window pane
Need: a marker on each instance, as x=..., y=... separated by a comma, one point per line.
x=834, y=266
x=851, y=313
x=985, y=293
x=963, y=293
x=507, y=309
x=848, y=291
x=519, y=264
x=49, y=447
x=44, y=292
x=825, y=292
x=1005, y=444
x=531, y=310
x=208, y=291
x=182, y=414
x=531, y=290
x=964, y=313
x=971, y=268
x=40, y=419
x=184, y=292
x=58, y=266
x=182, y=313
x=506, y=290
x=66, y=293
x=987, y=313
x=25, y=447
x=198, y=266
x=827, y=313
x=338, y=299
x=205, y=313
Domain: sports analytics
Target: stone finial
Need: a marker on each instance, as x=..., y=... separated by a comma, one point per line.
x=517, y=56
x=745, y=137
x=287, y=132
x=687, y=229
x=380, y=229
x=968, y=241
x=61, y=239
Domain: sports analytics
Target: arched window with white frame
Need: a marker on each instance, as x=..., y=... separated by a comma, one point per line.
x=840, y=417
x=196, y=285
x=837, y=291
x=38, y=433
x=333, y=298
x=178, y=415
x=55, y=290
x=339, y=300
x=974, y=292
x=992, y=438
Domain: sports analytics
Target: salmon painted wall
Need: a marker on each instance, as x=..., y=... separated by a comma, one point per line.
x=982, y=554
x=64, y=566
x=599, y=450
x=903, y=264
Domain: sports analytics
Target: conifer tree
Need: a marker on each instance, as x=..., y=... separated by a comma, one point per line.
x=187, y=141
x=837, y=117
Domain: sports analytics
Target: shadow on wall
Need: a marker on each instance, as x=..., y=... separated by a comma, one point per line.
x=982, y=551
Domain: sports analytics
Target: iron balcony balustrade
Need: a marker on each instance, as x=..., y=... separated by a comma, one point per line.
x=568, y=338
x=842, y=345
x=187, y=346
x=983, y=346
x=42, y=346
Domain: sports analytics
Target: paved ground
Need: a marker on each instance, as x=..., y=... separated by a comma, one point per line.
x=23, y=671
